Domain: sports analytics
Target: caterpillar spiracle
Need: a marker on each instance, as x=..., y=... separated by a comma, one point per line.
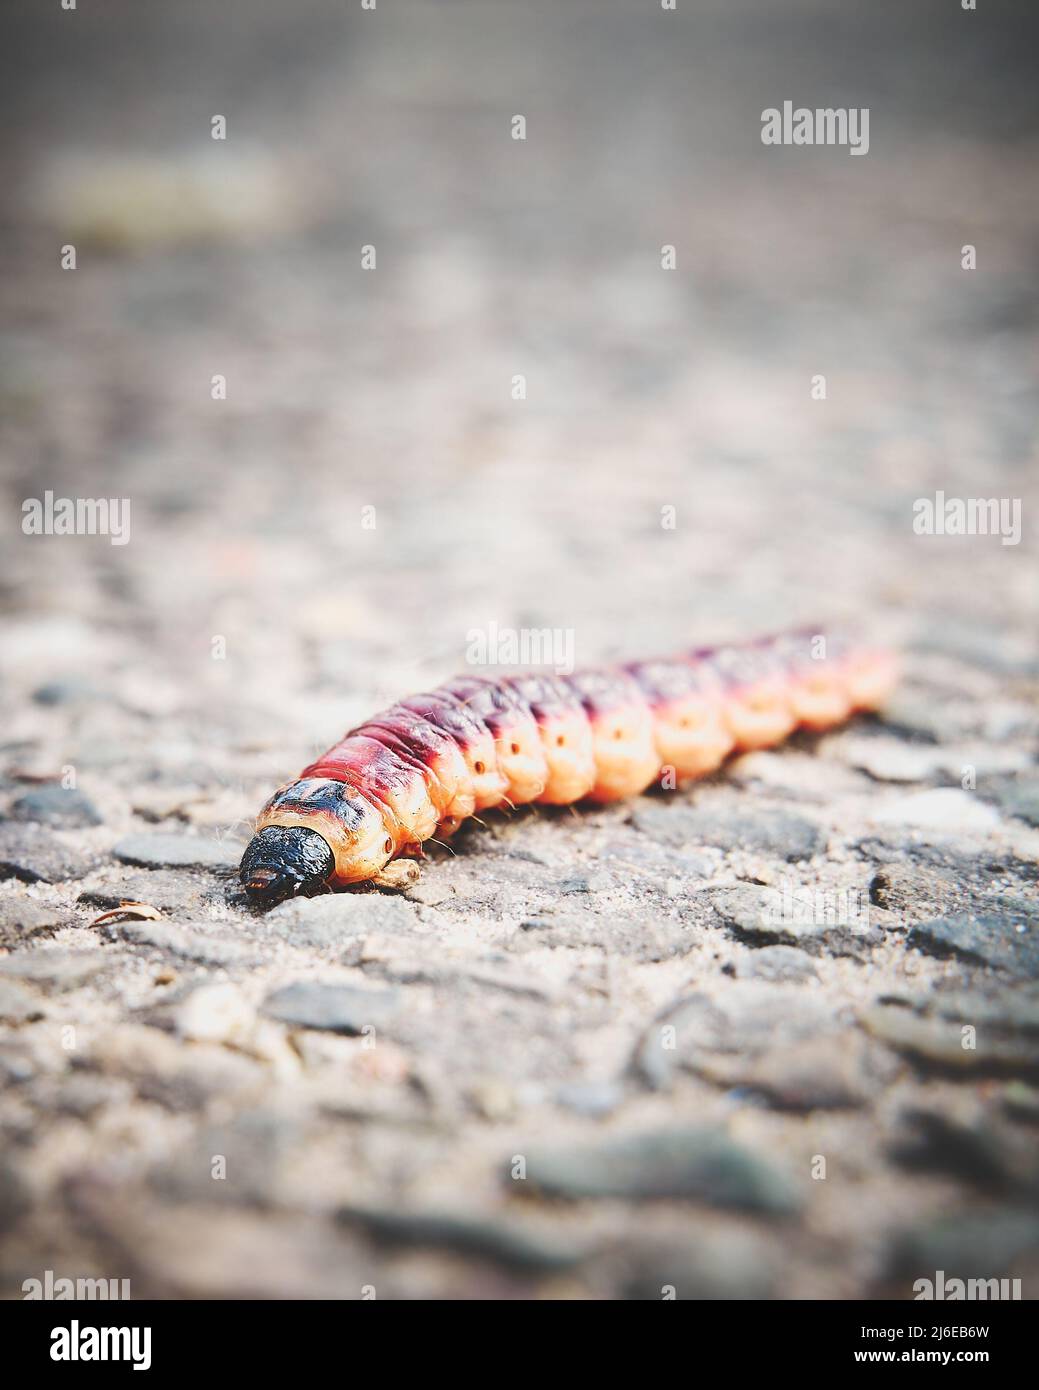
x=418, y=770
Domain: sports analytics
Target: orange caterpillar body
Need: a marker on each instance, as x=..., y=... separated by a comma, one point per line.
x=421, y=768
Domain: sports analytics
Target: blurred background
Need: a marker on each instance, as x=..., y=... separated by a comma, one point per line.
x=393, y=388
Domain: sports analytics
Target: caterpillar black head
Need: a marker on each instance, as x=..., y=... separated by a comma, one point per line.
x=281, y=861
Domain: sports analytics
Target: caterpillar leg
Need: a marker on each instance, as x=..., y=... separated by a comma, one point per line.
x=398, y=875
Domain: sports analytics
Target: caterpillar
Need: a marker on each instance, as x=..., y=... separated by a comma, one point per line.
x=421, y=768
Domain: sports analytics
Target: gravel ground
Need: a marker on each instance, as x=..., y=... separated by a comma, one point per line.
x=576, y=1060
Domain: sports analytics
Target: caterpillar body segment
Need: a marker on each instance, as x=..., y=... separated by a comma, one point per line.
x=687, y=697
x=567, y=742
x=418, y=770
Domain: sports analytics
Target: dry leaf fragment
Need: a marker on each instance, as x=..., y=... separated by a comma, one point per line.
x=137, y=912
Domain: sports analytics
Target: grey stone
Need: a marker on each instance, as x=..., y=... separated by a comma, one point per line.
x=857, y=942
x=675, y=826
x=69, y=690
x=1008, y=943
x=531, y=856
x=177, y=851
x=1021, y=799
x=202, y=1080
x=940, y=1042
x=975, y=868
x=55, y=805
x=15, y=1198
x=986, y=1003
x=694, y=864
x=21, y=919
x=429, y=893
x=595, y=1099
x=780, y=833
x=657, y=861
x=80, y=1094
x=805, y=1076
x=968, y=1245
x=991, y=647
x=889, y=761
x=916, y=892
x=793, y=776
x=638, y=937
x=697, y=1031
x=765, y=917
x=883, y=849
x=214, y=1013
x=58, y=970
x=465, y=1234
x=724, y=1265
x=976, y=1152
x=936, y=721
x=34, y=855
x=204, y=947
x=17, y=1062
x=170, y=891
x=335, y=918
x=751, y=911
x=18, y=1004
x=429, y=968
x=595, y=882
x=945, y=811
x=778, y=963
x=1021, y=1102
x=254, y=1147
x=698, y=1164
x=181, y=1079
x=331, y=1007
